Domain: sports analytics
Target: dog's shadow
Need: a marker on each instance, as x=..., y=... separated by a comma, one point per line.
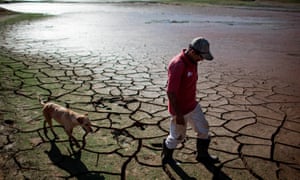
x=72, y=165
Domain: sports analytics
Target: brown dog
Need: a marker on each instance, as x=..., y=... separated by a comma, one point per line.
x=66, y=117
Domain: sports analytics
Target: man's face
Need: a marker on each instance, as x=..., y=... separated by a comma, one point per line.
x=196, y=56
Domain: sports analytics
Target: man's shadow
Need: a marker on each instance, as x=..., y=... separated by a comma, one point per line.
x=178, y=170
x=216, y=171
x=74, y=166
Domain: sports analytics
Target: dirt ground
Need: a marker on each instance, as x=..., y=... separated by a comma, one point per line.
x=249, y=93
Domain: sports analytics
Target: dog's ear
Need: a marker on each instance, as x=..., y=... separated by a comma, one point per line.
x=86, y=114
x=80, y=120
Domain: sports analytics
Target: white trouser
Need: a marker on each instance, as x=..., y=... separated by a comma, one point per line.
x=178, y=132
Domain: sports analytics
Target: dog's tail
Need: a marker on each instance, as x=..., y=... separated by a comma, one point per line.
x=41, y=101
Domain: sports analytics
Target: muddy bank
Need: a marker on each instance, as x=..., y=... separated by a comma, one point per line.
x=5, y=14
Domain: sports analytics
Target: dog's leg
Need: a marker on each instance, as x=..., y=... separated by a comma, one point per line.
x=48, y=119
x=55, y=135
x=72, y=138
x=45, y=129
x=83, y=141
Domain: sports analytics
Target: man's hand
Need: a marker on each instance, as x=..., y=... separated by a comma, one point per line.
x=173, y=100
x=180, y=120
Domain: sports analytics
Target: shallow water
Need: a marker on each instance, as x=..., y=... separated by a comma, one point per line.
x=114, y=26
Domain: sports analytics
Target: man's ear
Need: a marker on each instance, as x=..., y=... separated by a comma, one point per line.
x=80, y=120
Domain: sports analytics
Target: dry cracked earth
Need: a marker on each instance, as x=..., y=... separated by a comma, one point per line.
x=254, y=121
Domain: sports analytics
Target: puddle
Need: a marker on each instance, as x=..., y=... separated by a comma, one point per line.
x=167, y=21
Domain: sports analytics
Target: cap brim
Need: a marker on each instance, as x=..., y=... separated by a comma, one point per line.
x=207, y=56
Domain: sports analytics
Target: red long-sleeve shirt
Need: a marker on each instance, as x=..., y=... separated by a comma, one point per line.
x=182, y=81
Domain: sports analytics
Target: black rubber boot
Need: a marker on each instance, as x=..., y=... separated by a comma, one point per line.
x=202, y=152
x=167, y=154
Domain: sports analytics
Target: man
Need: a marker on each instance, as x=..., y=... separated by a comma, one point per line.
x=183, y=107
